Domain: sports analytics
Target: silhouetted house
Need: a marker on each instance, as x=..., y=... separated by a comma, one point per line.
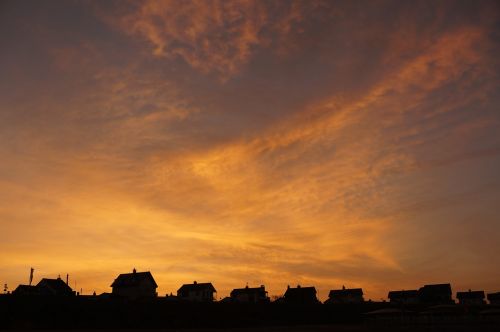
x=435, y=294
x=494, y=298
x=471, y=297
x=344, y=295
x=197, y=292
x=25, y=290
x=300, y=295
x=250, y=295
x=135, y=285
x=54, y=287
x=404, y=297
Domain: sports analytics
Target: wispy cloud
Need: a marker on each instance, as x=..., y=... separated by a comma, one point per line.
x=211, y=36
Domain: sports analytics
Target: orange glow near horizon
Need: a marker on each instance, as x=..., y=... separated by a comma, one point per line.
x=274, y=143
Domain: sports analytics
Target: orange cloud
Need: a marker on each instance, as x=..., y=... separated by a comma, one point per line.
x=211, y=36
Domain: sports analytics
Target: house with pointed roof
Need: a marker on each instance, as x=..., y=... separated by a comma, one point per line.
x=25, y=290
x=54, y=287
x=471, y=297
x=346, y=295
x=249, y=295
x=435, y=294
x=134, y=285
x=197, y=292
x=300, y=295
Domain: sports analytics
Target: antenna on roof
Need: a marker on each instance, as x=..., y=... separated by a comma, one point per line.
x=31, y=275
x=67, y=278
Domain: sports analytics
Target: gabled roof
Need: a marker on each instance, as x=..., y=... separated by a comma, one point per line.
x=346, y=292
x=300, y=292
x=55, y=286
x=133, y=279
x=470, y=295
x=196, y=287
x=248, y=290
x=25, y=290
x=435, y=289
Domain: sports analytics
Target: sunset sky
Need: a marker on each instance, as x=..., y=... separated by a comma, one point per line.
x=321, y=143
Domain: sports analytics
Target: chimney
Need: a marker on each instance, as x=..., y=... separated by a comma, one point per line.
x=194, y=282
x=134, y=270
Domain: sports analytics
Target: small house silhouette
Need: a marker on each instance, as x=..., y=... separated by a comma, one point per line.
x=300, y=295
x=250, y=294
x=197, y=292
x=135, y=285
x=471, y=297
x=344, y=295
x=404, y=297
x=435, y=294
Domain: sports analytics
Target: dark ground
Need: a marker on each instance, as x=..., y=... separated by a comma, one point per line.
x=92, y=313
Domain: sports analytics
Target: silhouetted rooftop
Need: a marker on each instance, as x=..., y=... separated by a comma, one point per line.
x=435, y=289
x=25, y=290
x=54, y=286
x=470, y=295
x=300, y=294
x=346, y=292
x=248, y=290
x=403, y=294
x=196, y=287
x=133, y=279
